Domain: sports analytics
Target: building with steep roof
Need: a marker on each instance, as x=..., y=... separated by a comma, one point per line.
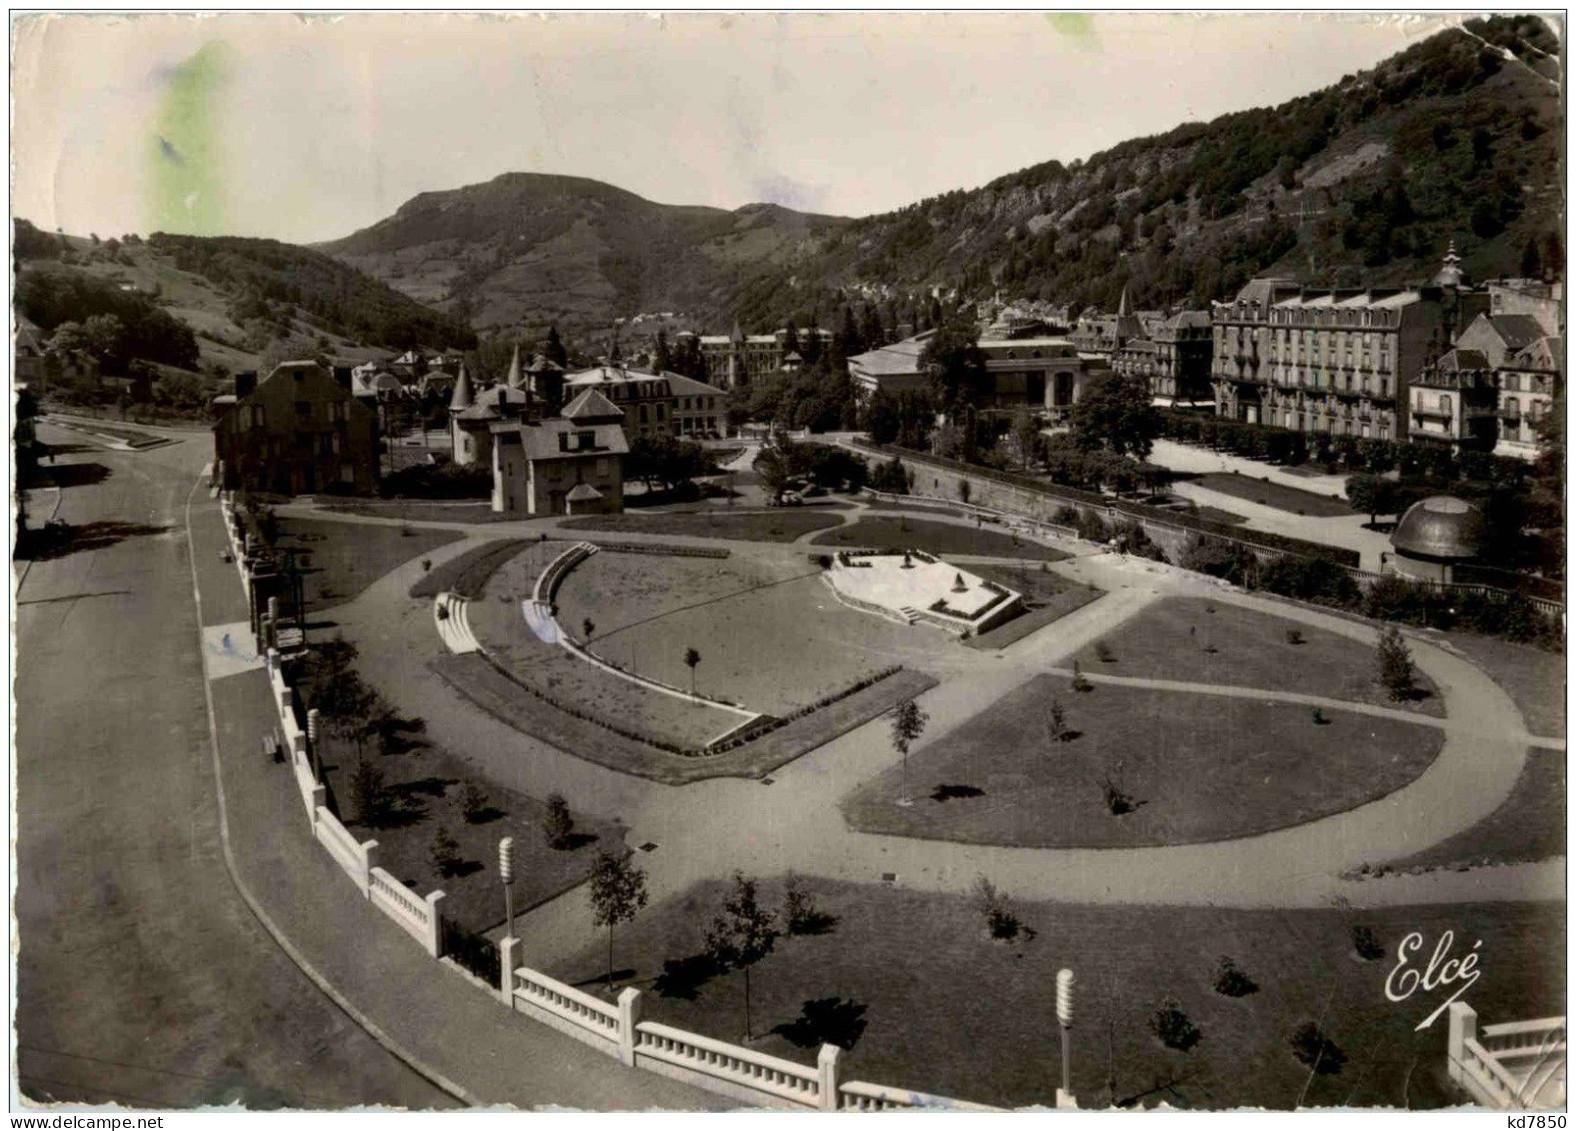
x=1334, y=361
x=1173, y=356
x=295, y=432
x=656, y=404
x=560, y=465
x=471, y=416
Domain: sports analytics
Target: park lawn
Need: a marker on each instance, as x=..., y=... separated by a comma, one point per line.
x=427, y=787
x=340, y=559
x=1528, y=825
x=780, y=525
x=501, y=629
x=485, y=686
x=884, y=532
x=1277, y=495
x=1047, y=597
x=648, y=610
x=1171, y=640
x=947, y=1010
x=408, y=510
x=1197, y=768
x=1533, y=678
x=917, y=506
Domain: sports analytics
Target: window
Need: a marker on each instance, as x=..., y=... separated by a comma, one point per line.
x=644, y=417
x=259, y=417
x=303, y=410
x=339, y=412
x=347, y=472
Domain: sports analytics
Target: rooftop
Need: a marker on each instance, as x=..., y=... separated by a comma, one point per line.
x=1440, y=527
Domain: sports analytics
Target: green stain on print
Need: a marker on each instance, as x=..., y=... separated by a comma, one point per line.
x=1076, y=26
x=187, y=183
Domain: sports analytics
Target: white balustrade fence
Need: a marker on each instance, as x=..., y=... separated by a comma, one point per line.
x=1517, y=1066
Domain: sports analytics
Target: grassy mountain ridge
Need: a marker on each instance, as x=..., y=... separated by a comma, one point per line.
x=242, y=299
x=1460, y=137
x=546, y=248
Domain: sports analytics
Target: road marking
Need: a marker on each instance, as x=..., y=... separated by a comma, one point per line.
x=366, y=1023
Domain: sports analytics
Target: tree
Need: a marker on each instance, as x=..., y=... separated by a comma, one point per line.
x=691, y=661
x=554, y=349
x=445, y=852
x=618, y=892
x=955, y=364
x=558, y=824
x=1394, y=661
x=908, y=723
x=587, y=627
x=771, y=463
x=882, y=417
x=742, y=935
x=1025, y=435
x=1115, y=413
x=661, y=357
x=1372, y=493
x=891, y=477
x=1056, y=722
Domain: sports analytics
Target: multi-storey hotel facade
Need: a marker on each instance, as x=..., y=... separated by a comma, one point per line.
x=1335, y=361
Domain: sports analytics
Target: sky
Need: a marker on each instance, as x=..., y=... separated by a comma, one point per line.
x=309, y=128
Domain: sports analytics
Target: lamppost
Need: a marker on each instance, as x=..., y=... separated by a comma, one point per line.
x=506, y=874
x=1064, y=1014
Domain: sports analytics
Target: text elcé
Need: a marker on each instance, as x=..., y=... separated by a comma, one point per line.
x=1442, y=972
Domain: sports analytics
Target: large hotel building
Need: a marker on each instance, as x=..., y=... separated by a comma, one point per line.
x=1335, y=361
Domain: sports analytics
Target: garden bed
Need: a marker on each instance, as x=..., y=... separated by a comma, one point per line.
x=473, y=677
x=1533, y=678
x=1268, y=493
x=887, y=533
x=1194, y=768
x=467, y=574
x=409, y=511
x=782, y=525
x=927, y=1000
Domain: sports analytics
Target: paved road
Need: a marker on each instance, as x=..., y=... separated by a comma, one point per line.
x=141, y=977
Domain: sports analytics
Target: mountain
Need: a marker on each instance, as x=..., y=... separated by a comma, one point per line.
x=1460, y=138
x=541, y=249
x=238, y=298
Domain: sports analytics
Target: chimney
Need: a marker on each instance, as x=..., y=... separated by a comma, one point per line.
x=245, y=384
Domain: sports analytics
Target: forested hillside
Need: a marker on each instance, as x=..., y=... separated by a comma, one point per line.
x=1367, y=181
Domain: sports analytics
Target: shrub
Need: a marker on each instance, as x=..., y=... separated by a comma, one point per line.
x=1319, y=718
x=1294, y=636
x=1367, y=944
x=1080, y=681
x=1056, y=722
x=558, y=824
x=1231, y=981
x=1103, y=653
x=473, y=802
x=445, y=852
x=994, y=905
x=1395, y=664
x=426, y=565
x=1117, y=799
x=372, y=800
x=800, y=914
x=1312, y=1047
x=1174, y=1027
